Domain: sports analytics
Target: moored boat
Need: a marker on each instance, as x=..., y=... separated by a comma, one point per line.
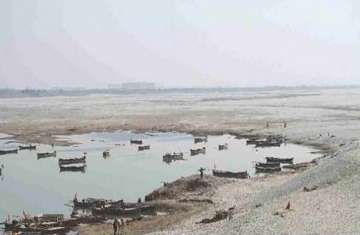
x=27, y=147
x=252, y=141
x=298, y=166
x=63, y=161
x=73, y=168
x=194, y=152
x=268, y=164
x=260, y=169
x=89, y=203
x=48, y=224
x=11, y=151
x=136, y=142
x=230, y=174
x=126, y=212
x=200, y=139
x=169, y=157
x=280, y=160
x=144, y=147
x=266, y=143
x=46, y=155
x=223, y=147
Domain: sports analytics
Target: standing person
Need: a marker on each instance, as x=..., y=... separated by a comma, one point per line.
x=201, y=172
x=121, y=224
x=115, y=226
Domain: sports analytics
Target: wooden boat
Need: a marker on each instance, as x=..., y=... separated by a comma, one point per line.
x=144, y=147
x=280, y=160
x=39, y=229
x=43, y=224
x=106, y=154
x=223, y=147
x=89, y=203
x=263, y=144
x=136, y=142
x=252, y=141
x=49, y=224
x=298, y=166
x=46, y=155
x=11, y=151
x=276, y=138
x=169, y=157
x=194, y=152
x=268, y=164
x=79, y=168
x=260, y=169
x=200, y=140
x=127, y=212
x=27, y=147
x=68, y=161
x=229, y=174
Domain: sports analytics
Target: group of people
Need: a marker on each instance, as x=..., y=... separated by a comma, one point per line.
x=117, y=225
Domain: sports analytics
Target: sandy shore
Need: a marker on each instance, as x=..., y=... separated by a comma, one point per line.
x=328, y=119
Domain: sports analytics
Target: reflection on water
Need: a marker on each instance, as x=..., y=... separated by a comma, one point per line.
x=41, y=185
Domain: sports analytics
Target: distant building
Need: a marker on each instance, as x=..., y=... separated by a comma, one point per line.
x=134, y=86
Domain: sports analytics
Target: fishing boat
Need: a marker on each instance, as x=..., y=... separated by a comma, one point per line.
x=194, y=152
x=230, y=174
x=11, y=151
x=73, y=168
x=252, y=141
x=139, y=142
x=46, y=155
x=144, y=147
x=69, y=161
x=200, y=139
x=169, y=157
x=260, y=169
x=223, y=147
x=48, y=224
x=127, y=212
x=91, y=203
x=298, y=166
x=266, y=143
x=268, y=164
x=280, y=160
x=27, y=147
x=43, y=228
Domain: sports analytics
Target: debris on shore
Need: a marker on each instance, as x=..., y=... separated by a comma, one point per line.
x=219, y=215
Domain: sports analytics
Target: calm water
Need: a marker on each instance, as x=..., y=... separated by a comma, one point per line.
x=37, y=186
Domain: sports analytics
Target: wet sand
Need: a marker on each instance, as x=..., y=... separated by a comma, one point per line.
x=325, y=118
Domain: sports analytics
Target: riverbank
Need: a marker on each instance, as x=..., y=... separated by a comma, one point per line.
x=326, y=118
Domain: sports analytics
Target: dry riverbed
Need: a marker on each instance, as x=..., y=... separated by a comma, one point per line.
x=324, y=118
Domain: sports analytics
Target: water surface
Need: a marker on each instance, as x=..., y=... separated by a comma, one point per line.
x=37, y=186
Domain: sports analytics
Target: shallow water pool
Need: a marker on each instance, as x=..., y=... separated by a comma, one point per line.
x=37, y=186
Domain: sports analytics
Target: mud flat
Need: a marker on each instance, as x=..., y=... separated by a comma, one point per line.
x=326, y=118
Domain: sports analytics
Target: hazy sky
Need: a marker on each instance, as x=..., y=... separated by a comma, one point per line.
x=184, y=43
